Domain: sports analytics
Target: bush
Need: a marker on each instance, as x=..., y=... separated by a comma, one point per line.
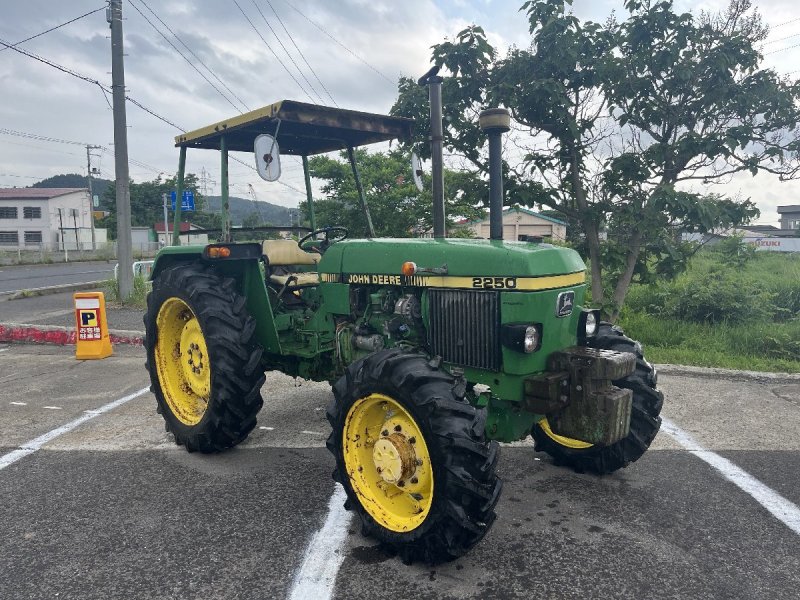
x=711, y=297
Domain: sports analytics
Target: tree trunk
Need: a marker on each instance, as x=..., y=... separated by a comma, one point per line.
x=624, y=281
x=589, y=227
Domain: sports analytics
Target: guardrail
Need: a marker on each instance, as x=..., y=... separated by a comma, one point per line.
x=141, y=268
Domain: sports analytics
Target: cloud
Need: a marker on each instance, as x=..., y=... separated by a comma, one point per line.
x=390, y=36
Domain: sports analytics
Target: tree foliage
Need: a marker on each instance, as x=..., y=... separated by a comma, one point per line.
x=397, y=208
x=616, y=124
x=147, y=204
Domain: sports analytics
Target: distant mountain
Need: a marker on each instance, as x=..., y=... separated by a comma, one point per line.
x=244, y=207
x=74, y=180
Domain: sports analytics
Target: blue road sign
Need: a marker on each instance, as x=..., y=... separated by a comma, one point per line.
x=187, y=202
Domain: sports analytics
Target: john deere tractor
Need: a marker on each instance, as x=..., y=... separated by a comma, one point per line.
x=437, y=349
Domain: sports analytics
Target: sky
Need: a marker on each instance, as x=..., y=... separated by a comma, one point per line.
x=350, y=52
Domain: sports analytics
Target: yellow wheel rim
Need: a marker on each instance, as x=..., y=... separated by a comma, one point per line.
x=388, y=463
x=563, y=440
x=182, y=362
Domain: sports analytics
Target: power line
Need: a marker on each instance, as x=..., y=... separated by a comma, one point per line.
x=191, y=64
x=252, y=168
x=291, y=58
x=301, y=53
x=781, y=49
x=45, y=138
x=35, y=136
x=91, y=12
x=200, y=60
x=273, y=51
x=105, y=89
x=318, y=26
x=785, y=23
x=788, y=37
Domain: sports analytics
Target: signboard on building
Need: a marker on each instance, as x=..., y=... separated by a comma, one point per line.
x=774, y=244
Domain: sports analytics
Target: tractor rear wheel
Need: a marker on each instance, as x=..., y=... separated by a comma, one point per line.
x=645, y=420
x=203, y=359
x=412, y=456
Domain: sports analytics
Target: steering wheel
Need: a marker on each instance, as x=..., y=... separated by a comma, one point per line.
x=333, y=234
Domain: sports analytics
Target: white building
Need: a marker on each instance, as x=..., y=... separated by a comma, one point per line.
x=201, y=237
x=47, y=218
x=519, y=222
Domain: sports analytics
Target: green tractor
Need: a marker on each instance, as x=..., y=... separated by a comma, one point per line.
x=437, y=349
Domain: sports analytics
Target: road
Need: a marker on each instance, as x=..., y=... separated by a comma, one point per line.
x=111, y=508
x=26, y=277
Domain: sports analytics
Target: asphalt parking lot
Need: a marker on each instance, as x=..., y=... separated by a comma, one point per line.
x=111, y=508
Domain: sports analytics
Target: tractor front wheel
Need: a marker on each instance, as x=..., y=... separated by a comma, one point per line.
x=202, y=357
x=412, y=456
x=645, y=420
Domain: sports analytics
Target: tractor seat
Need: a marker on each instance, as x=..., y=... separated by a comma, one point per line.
x=286, y=253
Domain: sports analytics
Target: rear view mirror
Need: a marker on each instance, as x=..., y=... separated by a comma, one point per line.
x=268, y=158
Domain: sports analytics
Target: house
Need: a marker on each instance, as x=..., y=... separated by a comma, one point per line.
x=47, y=218
x=193, y=238
x=790, y=217
x=522, y=222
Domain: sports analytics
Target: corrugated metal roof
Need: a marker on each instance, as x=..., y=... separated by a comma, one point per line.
x=36, y=193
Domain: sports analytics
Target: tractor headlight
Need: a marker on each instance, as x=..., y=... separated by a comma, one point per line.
x=588, y=324
x=522, y=337
x=591, y=324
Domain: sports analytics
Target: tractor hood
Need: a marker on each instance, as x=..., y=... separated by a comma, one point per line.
x=462, y=258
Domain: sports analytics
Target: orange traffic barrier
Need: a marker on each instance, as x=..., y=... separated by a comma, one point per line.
x=91, y=339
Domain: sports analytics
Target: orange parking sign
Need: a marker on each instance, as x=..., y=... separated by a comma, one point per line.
x=92, y=340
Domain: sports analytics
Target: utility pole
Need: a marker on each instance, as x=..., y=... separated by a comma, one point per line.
x=124, y=249
x=166, y=220
x=91, y=193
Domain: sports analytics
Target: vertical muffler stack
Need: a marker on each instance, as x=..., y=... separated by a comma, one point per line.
x=434, y=83
x=495, y=122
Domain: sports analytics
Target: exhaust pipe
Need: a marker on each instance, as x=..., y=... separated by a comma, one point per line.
x=434, y=83
x=495, y=122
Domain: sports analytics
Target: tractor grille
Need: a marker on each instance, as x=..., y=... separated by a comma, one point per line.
x=464, y=327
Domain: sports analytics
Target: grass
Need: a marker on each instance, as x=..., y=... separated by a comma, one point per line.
x=752, y=347
x=762, y=297
x=138, y=299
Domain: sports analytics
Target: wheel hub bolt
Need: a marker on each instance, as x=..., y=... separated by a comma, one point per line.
x=398, y=428
x=412, y=440
x=385, y=432
x=378, y=469
x=401, y=483
x=414, y=480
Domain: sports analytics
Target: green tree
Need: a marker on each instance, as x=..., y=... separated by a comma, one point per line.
x=147, y=204
x=613, y=121
x=397, y=208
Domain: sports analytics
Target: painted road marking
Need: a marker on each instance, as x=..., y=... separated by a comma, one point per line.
x=312, y=432
x=19, y=403
x=782, y=509
x=3, y=349
x=52, y=407
x=36, y=443
x=324, y=555
x=267, y=428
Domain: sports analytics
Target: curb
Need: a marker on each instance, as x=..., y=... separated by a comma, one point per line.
x=713, y=372
x=60, y=336
x=53, y=289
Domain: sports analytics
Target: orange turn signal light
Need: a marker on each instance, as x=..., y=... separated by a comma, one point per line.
x=409, y=268
x=219, y=252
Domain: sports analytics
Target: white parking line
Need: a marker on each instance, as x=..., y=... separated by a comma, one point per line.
x=36, y=443
x=3, y=349
x=19, y=403
x=52, y=407
x=324, y=554
x=782, y=509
